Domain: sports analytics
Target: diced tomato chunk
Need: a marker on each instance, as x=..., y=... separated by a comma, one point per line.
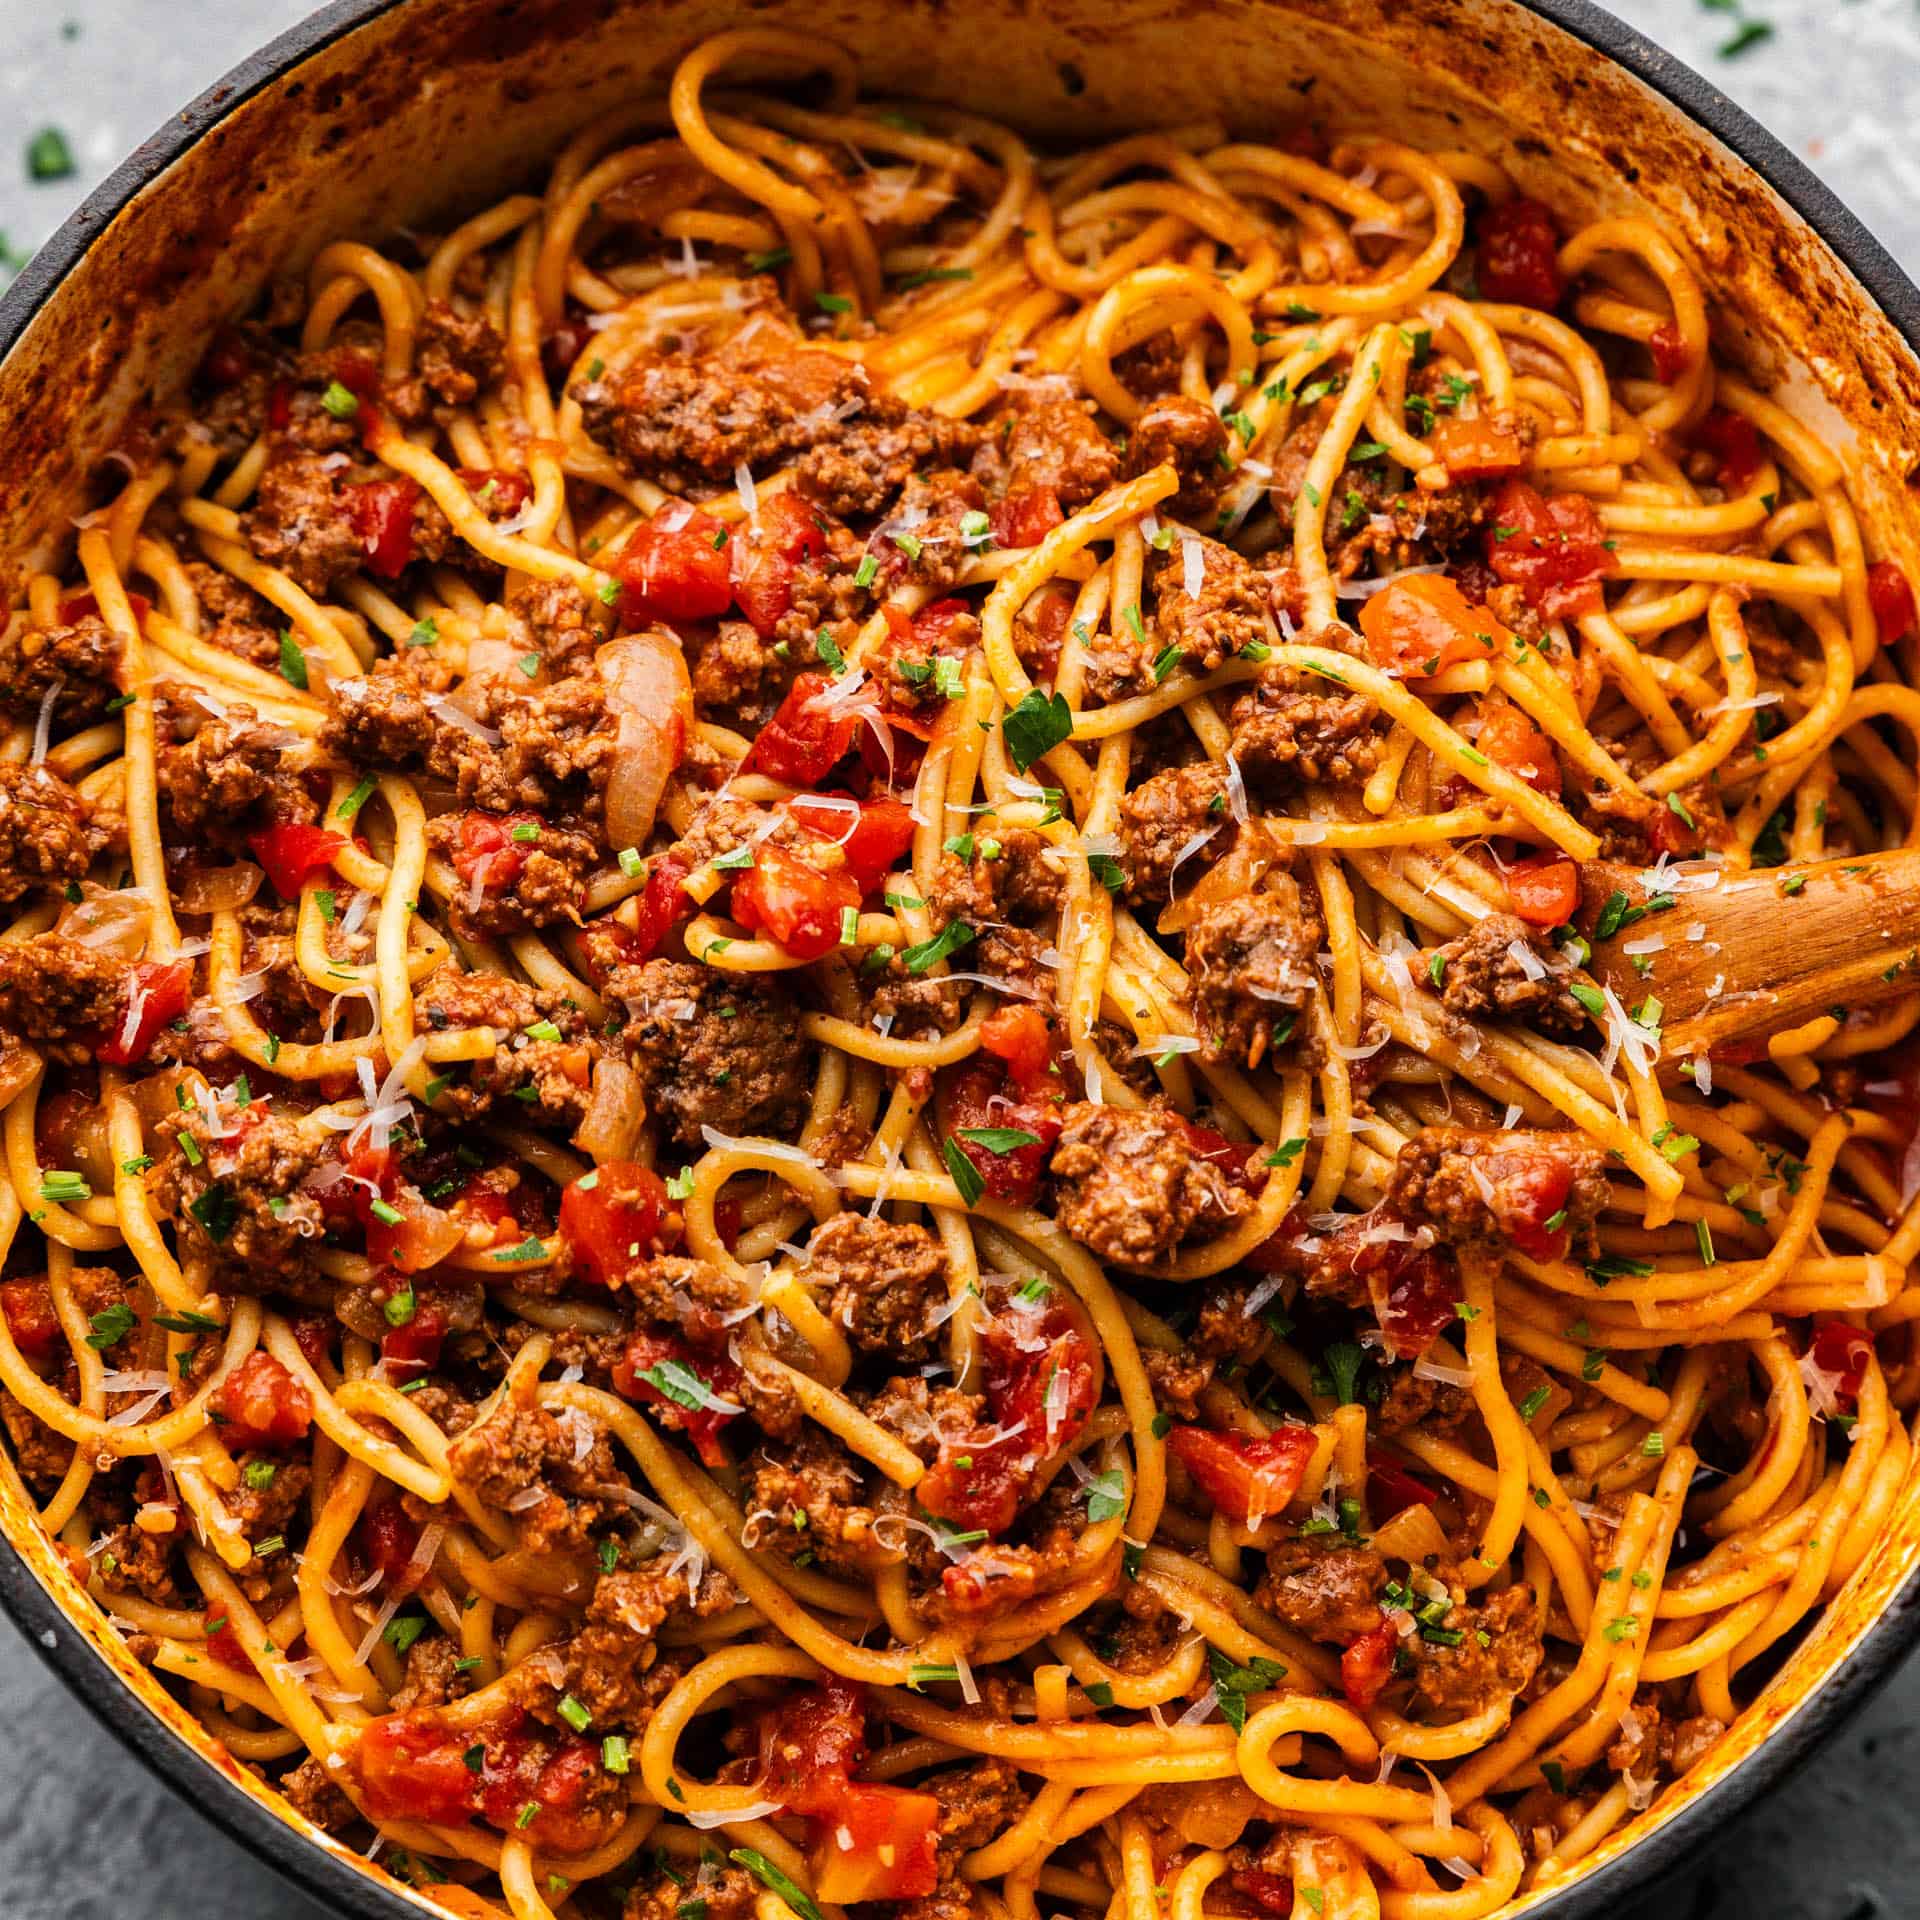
x=876, y=1843
x=412, y=1769
x=1891, y=599
x=675, y=567
x=498, y=492
x=382, y=515
x=1544, y=889
x=1025, y=519
x=811, y=1744
x=389, y=1539
x=610, y=1226
x=224, y=1645
x=414, y=1348
x=1390, y=1487
x=486, y=853
x=764, y=554
x=1734, y=444
x=665, y=1375
x=559, y=1782
x=1247, y=1476
x=1023, y=1038
x=28, y=1305
x=803, y=742
x=870, y=834
x=291, y=851
x=1041, y=1380
x=918, y=665
x=1422, y=624
x=158, y=993
x=1669, y=350
x=1421, y=1287
x=1843, y=1353
x=793, y=904
x=1367, y=1665
x=262, y=1405
x=1519, y=249
x=1509, y=739
x=77, y=606
x=1270, y=1892
x=1552, y=547
x=1527, y=1185
x=979, y=1099
x=1477, y=449
x=870, y=1842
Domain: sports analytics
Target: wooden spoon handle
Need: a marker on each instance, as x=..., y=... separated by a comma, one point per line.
x=1750, y=954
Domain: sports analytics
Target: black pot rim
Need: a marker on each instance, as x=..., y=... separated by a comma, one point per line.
x=331, y=1879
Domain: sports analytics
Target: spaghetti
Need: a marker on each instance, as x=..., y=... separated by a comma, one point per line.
x=801, y=1108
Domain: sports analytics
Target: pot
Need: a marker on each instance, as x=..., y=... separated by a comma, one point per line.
x=374, y=115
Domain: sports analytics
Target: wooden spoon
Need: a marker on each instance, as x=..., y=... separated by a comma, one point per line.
x=1752, y=954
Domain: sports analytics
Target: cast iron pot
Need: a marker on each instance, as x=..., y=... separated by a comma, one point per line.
x=377, y=114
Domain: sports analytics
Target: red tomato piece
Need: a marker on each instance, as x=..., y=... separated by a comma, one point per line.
x=1041, y=1381
x=1735, y=446
x=77, y=606
x=1841, y=1351
x=811, y=1744
x=224, y=1645
x=610, y=1227
x=262, y=1405
x=1477, y=449
x=978, y=1097
x=414, y=1349
x=1423, y=624
x=157, y=994
x=1367, y=1665
x=498, y=492
x=388, y=1538
x=313, y=1335
x=1891, y=599
x=1270, y=1892
x=1024, y=519
x=280, y=405
x=565, y=1785
x=803, y=742
x=1552, y=547
x=422, y=1237
x=1049, y=619
x=1416, y=1299
x=1670, y=356
x=1023, y=1038
x=292, y=851
x=382, y=515
x=1544, y=889
x=794, y=904
x=665, y=1375
x=870, y=834
x=1530, y=1186
x=1246, y=1476
x=410, y=1769
x=675, y=567
x=485, y=853
x=1509, y=739
x=1390, y=1487
x=28, y=1305
x=764, y=553
x=876, y=1843
x=1519, y=249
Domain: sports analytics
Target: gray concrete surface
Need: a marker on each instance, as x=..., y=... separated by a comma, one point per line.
x=84, y=1833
